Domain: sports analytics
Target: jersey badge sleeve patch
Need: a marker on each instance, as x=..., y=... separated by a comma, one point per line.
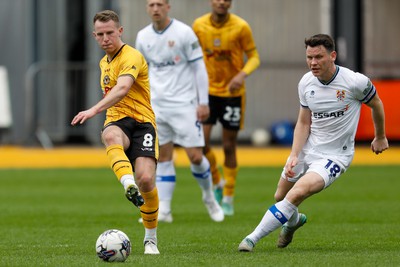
x=195, y=45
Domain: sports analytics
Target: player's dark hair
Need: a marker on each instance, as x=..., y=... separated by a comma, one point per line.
x=105, y=16
x=320, y=39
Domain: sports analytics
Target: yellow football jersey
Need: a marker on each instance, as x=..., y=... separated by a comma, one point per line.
x=224, y=47
x=136, y=104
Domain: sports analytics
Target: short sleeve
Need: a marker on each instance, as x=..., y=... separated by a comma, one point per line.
x=364, y=90
x=301, y=91
x=193, y=49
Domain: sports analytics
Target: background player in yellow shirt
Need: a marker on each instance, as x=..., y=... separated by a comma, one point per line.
x=225, y=38
x=129, y=131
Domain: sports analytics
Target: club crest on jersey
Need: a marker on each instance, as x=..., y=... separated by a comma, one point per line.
x=171, y=43
x=217, y=42
x=106, y=80
x=340, y=95
x=177, y=59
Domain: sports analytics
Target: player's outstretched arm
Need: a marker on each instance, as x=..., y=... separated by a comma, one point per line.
x=83, y=116
x=116, y=94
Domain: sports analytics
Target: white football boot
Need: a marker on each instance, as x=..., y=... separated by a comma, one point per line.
x=150, y=247
x=214, y=209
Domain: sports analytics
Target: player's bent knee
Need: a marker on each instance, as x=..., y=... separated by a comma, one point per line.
x=108, y=138
x=229, y=150
x=297, y=195
x=111, y=137
x=145, y=182
x=196, y=158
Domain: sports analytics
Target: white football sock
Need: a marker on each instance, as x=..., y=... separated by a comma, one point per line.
x=203, y=176
x=150, y=234
x=294, y=219
x=227, y=199
x=126, y=180
x=274, y=218
x=165, y=181
x=164, y=206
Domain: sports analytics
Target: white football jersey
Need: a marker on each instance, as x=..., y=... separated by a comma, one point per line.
x=335, y=109
x=168, y=54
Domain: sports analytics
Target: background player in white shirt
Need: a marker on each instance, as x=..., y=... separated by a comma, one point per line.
x=179, y=97
x=323, y=142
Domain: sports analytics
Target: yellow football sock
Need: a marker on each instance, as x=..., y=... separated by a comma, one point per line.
x=149, y=211
x=118, y=160
x=230, y=180
x=216, y=177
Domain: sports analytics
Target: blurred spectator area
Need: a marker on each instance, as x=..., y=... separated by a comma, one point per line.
x=52, y=58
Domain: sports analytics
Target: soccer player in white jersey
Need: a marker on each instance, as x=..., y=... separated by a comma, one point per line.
x=323, y=144
x=179, y=97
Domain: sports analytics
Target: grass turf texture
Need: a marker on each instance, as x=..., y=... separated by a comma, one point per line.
x=52, y=217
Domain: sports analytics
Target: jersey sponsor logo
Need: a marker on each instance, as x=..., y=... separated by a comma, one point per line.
x=219, y=55
x=223, y=55
x=163, y=64
x=320, y=115
x=106, y=90
x=340, y=95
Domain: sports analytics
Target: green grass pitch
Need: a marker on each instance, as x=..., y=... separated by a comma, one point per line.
x=52, y=217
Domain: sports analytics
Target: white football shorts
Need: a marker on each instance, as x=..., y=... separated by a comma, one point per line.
x=329, y=167
x=180, y=126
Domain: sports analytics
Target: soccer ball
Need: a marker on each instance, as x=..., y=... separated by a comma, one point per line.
x=260, y=137
x=113, y=245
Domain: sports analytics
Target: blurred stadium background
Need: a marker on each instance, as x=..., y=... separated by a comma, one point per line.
x=50, y=61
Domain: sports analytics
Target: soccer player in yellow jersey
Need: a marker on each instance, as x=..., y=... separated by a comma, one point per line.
x=225, y=38
x=129, y=131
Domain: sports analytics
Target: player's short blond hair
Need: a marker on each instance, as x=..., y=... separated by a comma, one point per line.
x=105, y=16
